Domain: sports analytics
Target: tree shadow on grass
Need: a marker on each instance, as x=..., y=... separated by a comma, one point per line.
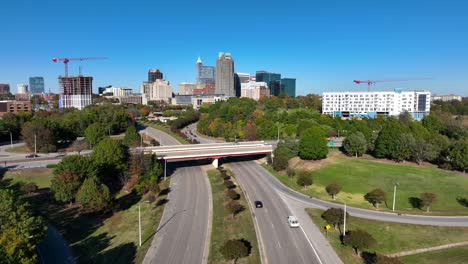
x=415, y=202
x=462, y=201
x=125, y=202
x=248, y=245
x=124, y=253
x=368, y=257
x=165, y=191
x=162, y=202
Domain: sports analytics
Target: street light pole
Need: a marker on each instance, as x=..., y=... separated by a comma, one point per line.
x=35, y=145
x=394, y=195
x=344, y=220
x=11, y=138
x=165, y=164
x=139, y=224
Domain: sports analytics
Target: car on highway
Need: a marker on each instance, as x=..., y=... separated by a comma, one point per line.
x=30, y=156
x=258, y=204
x=292, y=221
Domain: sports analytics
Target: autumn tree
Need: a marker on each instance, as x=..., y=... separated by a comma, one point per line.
x=233, y=194
x=93, y=196
x=65, y=186
x=79, y=145
x=313, y=144
x=333, y=189
x=428, y=199
x=234, y=208
x=359, y=240
x=250, y=131
x=375, y=197
x=334, y=216
x=234, y=249
x=38, y=137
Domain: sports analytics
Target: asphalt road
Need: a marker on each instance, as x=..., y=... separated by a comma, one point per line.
x=281, y=243
x=182, y=235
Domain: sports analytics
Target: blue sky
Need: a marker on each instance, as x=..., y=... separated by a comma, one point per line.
x=324, y=44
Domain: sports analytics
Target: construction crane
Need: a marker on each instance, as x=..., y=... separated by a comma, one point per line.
x=66, y=61
x=370, y=82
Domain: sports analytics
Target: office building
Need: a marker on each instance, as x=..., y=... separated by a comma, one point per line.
x=372, y=104
x=187, y=88
x=115, y=91
x=272, y=80
x=288, y=86
x=4, y=88
x=447, y=98
x=198, y=100
x=254, y=90
x=36, y=84
x=225, y=75
x=159, y=90
x=13, y=106
x=154, y=74
x=22, y=88
x=205, y=74
x=78, y=92
x=240, y=78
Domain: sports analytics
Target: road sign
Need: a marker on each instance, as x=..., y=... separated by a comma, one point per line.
x=327, y=227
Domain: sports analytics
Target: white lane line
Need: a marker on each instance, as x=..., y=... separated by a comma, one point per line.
x=279, y=245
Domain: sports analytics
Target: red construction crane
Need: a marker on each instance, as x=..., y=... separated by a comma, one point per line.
x=66, y=61
x=370, y=82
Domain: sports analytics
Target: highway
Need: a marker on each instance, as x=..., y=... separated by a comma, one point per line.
x=182, y=235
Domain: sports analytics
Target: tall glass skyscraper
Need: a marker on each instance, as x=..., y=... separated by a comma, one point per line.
x=288, y=86
x=272, y=80
x=36, y=84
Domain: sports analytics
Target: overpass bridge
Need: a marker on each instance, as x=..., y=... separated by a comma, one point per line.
x=213, y=151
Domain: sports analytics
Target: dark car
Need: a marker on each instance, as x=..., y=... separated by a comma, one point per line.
x=258, y=204
x=32, y=156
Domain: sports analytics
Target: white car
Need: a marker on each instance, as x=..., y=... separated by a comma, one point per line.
x=292, y=221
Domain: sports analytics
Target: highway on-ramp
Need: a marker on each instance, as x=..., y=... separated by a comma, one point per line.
x=182, y=235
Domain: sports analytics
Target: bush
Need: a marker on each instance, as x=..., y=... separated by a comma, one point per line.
x=29, y=187
x=51, y=166
x=376, y=196
x=233, y=195
x=234, y=249
x=229, y=184
x=304, y=179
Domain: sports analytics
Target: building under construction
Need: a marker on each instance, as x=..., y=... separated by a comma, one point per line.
x=78, y=92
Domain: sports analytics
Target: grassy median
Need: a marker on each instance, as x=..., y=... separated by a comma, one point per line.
x=359, y=176
x=224, y=227
x=453, y=256
x=391, y=237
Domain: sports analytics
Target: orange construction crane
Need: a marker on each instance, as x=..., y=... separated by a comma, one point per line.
x=370, y=82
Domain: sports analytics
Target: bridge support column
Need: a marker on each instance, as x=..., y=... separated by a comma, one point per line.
x=215, y=162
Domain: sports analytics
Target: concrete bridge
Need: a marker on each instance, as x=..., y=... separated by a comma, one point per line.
x=213, y=151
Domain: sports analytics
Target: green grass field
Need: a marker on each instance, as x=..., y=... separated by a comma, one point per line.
x=224, y=227
x=391, y=237
x=357, y=177
x=40, y=176
x=166, y=129
x=19, y=149
x=453, y=256
x=97, y=239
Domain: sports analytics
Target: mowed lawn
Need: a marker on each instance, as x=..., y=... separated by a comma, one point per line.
x=358, y=176
x=39, y=176
x=391, y=237
x=224, y=227
x=453, y=256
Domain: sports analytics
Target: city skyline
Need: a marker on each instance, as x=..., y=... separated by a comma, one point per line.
x=325, y=46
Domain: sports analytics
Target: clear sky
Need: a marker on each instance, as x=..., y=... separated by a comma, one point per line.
x=324, y=44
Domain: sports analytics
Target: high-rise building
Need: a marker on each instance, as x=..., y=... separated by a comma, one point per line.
x=77, y=94
x=187, y=88
x=225, y=75
x=154, y=74
x=271, y=79
x=4, y=88
x=205, y=74
x=22, y=88
x=159, y=90
x=372, y=104
x=36, y=85
x=239, y=79
x=288, y=86
x=254, y=90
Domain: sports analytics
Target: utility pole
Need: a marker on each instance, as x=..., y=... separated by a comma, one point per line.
x=139, y=224
x=165, y=164
x=11, y=138
x=394, y=195
x=35, y=144
x=278, y=134
x=344, y=220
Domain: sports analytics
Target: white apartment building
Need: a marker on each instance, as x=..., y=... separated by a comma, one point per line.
x=254, y=90
x=187, y=88
x=197, y=100
x=159, y=90
x=118, y=91
x=372, y=104
x=446, y=98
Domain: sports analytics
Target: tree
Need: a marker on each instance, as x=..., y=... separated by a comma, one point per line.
x=375, y=197
x=359, y=240
x=458, y=155
x=423, y=151
x=333, y=189
x=385, y=142
x=428, y=199
x=29, y=187
x=79, y=145
x=281, y=157
x=334, y=216
x=20, y=230
x=38, y=136
x=234, y=249
x=290, y=172
x=304, y=179
x=234, y=208
x=82, y=166
x=250, y=131
x=65, y=186
x=94, y=133
x=402, y=147
x=432, y=123
x=132, y=138
x=355, y=144
x=313, y=144
x=233, y=195
x=93, y=196
x=112, y=157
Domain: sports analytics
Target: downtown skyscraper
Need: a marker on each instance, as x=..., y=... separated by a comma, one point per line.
x=225, y=75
